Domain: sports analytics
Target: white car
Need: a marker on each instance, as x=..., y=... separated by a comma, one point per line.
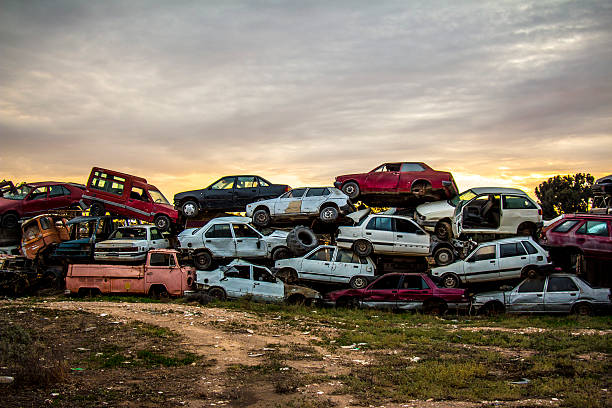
x=495, y=210
x=508, y=258
x=391, y=235
x=241, y=279
x=231, y=237
x=130, y=243
x=327, y=203
x=328, y=263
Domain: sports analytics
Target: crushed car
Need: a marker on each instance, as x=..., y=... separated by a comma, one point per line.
x=41, y=234
x=326, y=203
x=509, y=258
x=555, y=293
x=230, y=193
x=130, y=244
x=241, y=279
x=85, y=232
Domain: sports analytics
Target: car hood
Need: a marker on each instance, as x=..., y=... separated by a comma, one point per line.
x=344, y=292
x=73, y=243
x=5, y=204
x=277, y=234
x=455, y=267
x=119, y=242
x=358, y=215
x=354, y=175
x=307, y=292
x=489, y=296
x=436, y=209
x=187, y=233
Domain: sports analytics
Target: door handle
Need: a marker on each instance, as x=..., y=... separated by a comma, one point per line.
x=368, y=233
x=572, y=294
x=256, y=284
x=491, y=261
x=208, y=240
x=523, y=257
x=355, y=266
x=394, y=291
x=238, y=240
x=400, y=236
x=539, y=295
x=326, y=263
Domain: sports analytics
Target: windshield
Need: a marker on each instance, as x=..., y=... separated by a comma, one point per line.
x=158, y=197
x=465, y=196
x=22, y=191
x=129, y=233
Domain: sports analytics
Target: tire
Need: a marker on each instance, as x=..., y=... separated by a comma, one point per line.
x=351, y=189
x=444, y=256
x=162, y=222
x=96, y=210
x=10, y=221
x=358, y=282
x=491, y=309
x=217, y=294
x=190, y=209
x=436, y=307
x=158, y=292
x=261, y=217
x=296, y=300
x=450, y=280
x=443, y=231
x=347, y=302
x=301, y=240
x=583, y=309
x=362, y=248
x=329, y=214
x=203, y=260
x=420, y=188
x=280, y=253
x=530, y=272
x=526, y=231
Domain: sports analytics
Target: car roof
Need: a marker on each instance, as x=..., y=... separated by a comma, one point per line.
x=48, y=183
x=77, y=220
x=234, y=219
x=147, y=226
x=499, y=190
x=510, y=239
x=585, y=216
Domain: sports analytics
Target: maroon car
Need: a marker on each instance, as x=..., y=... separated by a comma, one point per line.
x=38, y=198
x=399, y=179
x=401, y=291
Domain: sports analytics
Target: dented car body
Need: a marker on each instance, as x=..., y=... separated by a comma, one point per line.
x=41, y=233
x=131, y=243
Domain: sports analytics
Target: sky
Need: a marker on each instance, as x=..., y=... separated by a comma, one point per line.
x=500, y=93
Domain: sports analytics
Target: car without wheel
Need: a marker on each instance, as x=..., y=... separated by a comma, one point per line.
x=130, y=244
x=326, y=203
x=555, y=293
x=401, y=291
x=330, y=264
x=230, y=193
x=243, y=279
x=508, y=258
x=391, y=181
x=391, y=235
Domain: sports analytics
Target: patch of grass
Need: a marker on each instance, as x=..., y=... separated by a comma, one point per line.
x=153, y=331
x=307, y=402
x=153, y=359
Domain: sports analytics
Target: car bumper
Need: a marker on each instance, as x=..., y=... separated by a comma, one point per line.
x=347, y=209
x=114, y=256
x=459, y=305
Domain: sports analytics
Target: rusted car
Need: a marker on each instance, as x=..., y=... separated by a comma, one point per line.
x=161, y=275
x=128, y=196
x=393, y=181
x=41, y=233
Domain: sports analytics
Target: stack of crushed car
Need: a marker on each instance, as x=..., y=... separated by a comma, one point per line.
x=424, y=252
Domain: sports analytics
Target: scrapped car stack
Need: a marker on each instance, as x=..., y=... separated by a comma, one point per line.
x=433, y=250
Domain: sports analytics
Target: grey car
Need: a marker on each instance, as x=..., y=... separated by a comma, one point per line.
x=556, y=293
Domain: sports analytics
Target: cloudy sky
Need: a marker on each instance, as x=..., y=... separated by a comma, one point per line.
x=503, y=93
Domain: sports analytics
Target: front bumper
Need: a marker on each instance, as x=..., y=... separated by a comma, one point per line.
x=120, y=256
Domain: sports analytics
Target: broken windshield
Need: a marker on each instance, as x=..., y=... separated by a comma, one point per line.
x=158, y=197
x=22, y=191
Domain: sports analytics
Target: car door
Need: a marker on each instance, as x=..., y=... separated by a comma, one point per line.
x=160, y=266
x=512, y=259
x=346, y=265
x=157, y=239
x=382, y=293
x=384, y=178
x=246, y=190
x=593, y=236
x=237, y=281
x=409, y=238
x=318, y=264
x=527, y=297
x=482, y=264
x=412, y=292
x=220, y=241
x=36, y=202
x=220, y=195
x=266, y=287
x=313, y=199
x=515, y=210
x=138, y=201
x=290, y=202
x=248, y=242
x=561, y=294
x=379, y=231
x=59, y=197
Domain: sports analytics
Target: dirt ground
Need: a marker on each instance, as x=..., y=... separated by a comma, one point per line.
x=242, y=359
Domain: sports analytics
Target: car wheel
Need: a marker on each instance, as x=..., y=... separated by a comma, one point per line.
x=362, y=248
x=420, y=188
x=96, y=210
x=583, y=309
x=162, y=222
x=437, y=307
x=526, y=231
x=301, y=240
x=329, y=214
x=190, y=209
x=261, y=218
x=443, y=256
x=158, y=292
x=280, y=253
x=10, y=221
x=296, y=300
x=217, y=293
x=443, y=231
x=491, y=309
x=347, y=302
x=450, y=280
x=351, y=189
x=202, y=260
x=531, y=272
x=358, y=282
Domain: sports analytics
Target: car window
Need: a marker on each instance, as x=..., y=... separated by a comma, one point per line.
x=511, y=202
x=347, y=256
x=138, y=193
x=129, y=233
x=511, y=249
x=599, y=228
x=565, y=226
x=380, y=224
x=161, y=259
x=262, y=275
x=263, y=183
x=246, y=182
x=529, y=247
x=296, y=193
x=45, y=223
x=226, y=183
x=405, y=226
x=323, y=254
x=31, y=231
x=560, y=284
x=414, y=282
x=239, y=271
x=532, y=285
x=316, y=192
x=484, y=253
x=39, y=193
x=155, y=234
x=219, y=231
x=108, y=182
x=57, y=191
x=406, y=167
x=386, y=282
x=244, y=231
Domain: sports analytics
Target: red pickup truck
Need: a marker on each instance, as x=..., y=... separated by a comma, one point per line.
x=161, y=275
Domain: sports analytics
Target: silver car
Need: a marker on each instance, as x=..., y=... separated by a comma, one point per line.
x=556, y=293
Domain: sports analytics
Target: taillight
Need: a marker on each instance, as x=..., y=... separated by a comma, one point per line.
x=287, y=188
